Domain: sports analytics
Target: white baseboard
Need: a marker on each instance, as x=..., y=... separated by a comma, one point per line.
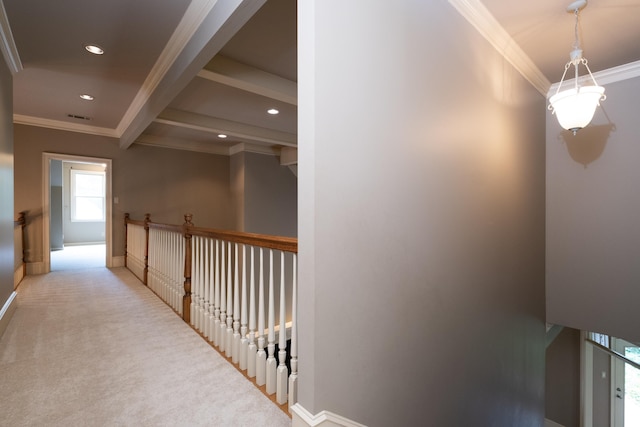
x=303, y=418
x=18, y=275
x=7, y=311
x=34, y=268
x=117, y=261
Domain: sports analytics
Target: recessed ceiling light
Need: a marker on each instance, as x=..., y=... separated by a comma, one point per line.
x=95, y=49
x=272, y=111
x=222, y=135
x=86, y=97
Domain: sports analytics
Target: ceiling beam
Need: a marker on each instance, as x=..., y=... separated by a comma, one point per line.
x=250, y=79
x=216, y=126
x=8, y=44
x=204, y=29
x=182, y=144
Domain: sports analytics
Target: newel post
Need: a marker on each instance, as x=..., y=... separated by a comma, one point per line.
x=186, y=299
x=147, y=219
x=126, y=225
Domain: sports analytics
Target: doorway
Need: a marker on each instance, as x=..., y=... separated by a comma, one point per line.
x=78, y=215
x=626, y=385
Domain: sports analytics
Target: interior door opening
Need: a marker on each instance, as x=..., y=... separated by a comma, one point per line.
x=77, y=223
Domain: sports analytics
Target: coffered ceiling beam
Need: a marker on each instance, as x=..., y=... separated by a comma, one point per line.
x=240, y=76
x=216, y=126
x=206, y=27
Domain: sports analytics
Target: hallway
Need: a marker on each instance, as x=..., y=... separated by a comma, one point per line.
x=96, y=347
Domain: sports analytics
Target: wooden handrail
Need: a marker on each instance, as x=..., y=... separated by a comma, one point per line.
x=188, y=229
x=286, y=244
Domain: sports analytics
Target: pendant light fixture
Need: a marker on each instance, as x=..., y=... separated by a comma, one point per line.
x=575, y=107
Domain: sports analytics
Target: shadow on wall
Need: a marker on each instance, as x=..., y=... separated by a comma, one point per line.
x=588, y=144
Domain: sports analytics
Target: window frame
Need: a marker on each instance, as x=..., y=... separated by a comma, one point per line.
x=73, y=196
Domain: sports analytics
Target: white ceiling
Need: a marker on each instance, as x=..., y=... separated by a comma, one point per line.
x=176, y=73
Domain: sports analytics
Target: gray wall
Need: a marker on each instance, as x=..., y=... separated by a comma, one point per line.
x=167, y=183
x=264, y=194
x=271, y=200
x=593, y=211
x=562, y=379
x=55, y=206
x=421, y=209
x=6, y=184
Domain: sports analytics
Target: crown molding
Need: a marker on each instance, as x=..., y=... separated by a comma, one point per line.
x=66, y=126
x=611, y=75
x=480, y=17
x=8, y=44
x=189, y=24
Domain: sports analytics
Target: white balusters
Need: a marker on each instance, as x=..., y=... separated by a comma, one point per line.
x=195, y=281
x=235, y=353
x=210, y=287
x=251, y=348
x=282, y=372
x=261, y=357
x=227, y=305
x=293, y=378
x=244, y=341
x=216, y=311
x=271, y=360
x=229, y=338
x=223, y=302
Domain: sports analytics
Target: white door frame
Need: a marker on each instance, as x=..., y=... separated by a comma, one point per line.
x=46, y=203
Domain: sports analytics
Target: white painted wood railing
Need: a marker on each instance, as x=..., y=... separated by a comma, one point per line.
x=136, y=248
x=240, y=293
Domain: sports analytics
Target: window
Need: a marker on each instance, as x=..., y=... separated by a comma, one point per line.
x=87, y=195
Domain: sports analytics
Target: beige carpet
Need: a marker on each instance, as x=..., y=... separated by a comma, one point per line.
x=97, y=348
x=79, y=256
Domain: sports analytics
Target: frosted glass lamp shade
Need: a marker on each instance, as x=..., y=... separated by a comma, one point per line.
x=575, y=107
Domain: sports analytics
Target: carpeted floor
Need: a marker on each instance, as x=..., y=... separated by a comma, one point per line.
x=78, y=257
x=97, y=348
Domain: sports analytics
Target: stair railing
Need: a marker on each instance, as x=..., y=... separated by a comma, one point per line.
x=229, y=286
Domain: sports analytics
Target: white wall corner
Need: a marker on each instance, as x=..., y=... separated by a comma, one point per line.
x=300, y=417
x=117, y=261
x=34, y=268
x=7, y=312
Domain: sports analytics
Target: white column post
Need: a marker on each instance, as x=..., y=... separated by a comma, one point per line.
x=228, y=347
x=271, y=360
x=235, y=353
x=251, y=348
x=293, y=378
x=244, y=342
x=261, y=357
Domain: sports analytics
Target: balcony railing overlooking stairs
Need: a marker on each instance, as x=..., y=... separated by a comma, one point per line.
x=229, y=286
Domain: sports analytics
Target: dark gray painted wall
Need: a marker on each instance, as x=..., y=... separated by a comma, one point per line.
x=6, y=184
x=421, y=212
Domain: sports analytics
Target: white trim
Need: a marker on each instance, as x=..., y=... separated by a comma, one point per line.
x=34, y=268
x=108, y=229
x=66, y=126
x=549, y=423
x=303, y=418
x=18, y=275
x=189, y=24
x=8, y=44
x=611, y=75
x=7, y=311
x=480, y=17
x=117, y=261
